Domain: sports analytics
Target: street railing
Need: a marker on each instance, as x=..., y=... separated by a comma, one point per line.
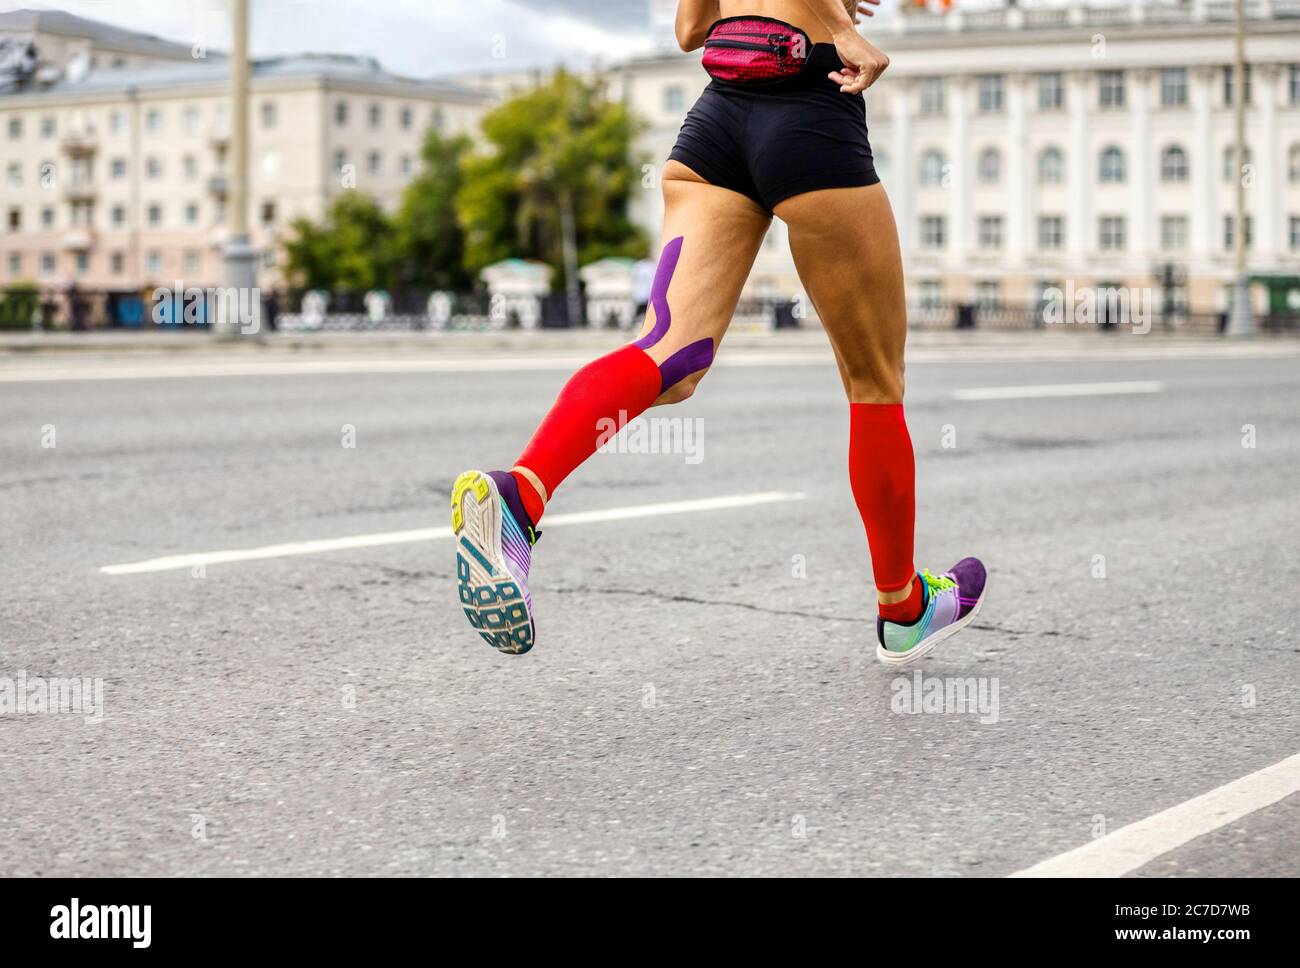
x=344, y=311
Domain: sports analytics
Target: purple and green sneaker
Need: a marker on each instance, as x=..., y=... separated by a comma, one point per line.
x=494, y=543
x=952, y=600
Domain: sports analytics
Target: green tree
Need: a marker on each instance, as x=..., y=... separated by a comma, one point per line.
x=352, y=248
x=430, y=243
x=558, y=153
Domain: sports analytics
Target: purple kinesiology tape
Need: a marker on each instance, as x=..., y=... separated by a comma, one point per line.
x=688, y=359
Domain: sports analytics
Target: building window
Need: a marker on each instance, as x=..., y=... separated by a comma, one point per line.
x=376, y=116
x=15, y=220
x=929, y=294
x=1228, y=96
x=408, y=165
x=341, y=113
x=1293, y=164
x=990, y=166
x=153, y=262
x=117, y=168
x=268, y=213
x=1173, y=164
x=117, y=122
x=1051, y=166
x=1112, y=235
x=118, y=216
x=990, y=93
x=1173, y=87
x=191, y=262
x=1051, y=91
x=439, y=119
x=1230, y=236
x=16, y=263
x=374, y=164
x=152, y=168
x=340, y=161
x=1173, y=233
x=1112, y=165
x=190, y=167
x=931, y=95
x=47, y=263
x=933, y=167
x=15, y=128
x=674, y=99
x=268, y=115
x=117, y=263
x=1230, y=170
x=47, y=217
x=933, y=232
x=990, y=231
x=155, y=214
x=988, y=294
x=48, y=126
x=1051, y=232
x=406, y=119
x=1295, y=233
x=14, y=174
x=1110, y=89
x=153, y=120
x=192, y=213
x=82, y=262
x=1295, y=84
x=190, y=120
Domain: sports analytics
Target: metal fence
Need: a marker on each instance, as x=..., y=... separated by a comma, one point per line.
x=29, y=308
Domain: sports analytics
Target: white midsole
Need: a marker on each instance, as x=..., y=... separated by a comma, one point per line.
x=903, y=658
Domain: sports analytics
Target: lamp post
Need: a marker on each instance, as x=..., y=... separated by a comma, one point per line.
x=239, y=257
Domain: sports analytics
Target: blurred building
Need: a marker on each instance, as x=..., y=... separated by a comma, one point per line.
x=113, y=169
x=1023, y=147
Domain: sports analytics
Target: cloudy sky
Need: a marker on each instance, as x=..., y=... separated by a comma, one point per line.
x=417, y=37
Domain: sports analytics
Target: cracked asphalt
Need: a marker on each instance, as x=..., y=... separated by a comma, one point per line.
x=703, y=698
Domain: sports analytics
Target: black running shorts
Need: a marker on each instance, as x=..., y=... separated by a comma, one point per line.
x=772, y=142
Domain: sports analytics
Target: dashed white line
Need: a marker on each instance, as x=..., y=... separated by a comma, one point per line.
x=1139, y=843
x=1058, y=390
x=291, y=549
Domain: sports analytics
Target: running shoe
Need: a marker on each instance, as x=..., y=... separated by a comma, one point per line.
x=494, y=543
x=952, y=600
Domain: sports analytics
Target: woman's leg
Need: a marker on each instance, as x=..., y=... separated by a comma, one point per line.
x=710, y=239
x=845, y=246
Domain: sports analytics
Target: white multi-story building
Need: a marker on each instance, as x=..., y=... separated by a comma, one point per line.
x=114, y=175
x=1024, y=148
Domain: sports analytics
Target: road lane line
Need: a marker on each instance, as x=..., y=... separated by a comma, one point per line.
x=1058, y=390
x=291, y=549
x=1139, y=843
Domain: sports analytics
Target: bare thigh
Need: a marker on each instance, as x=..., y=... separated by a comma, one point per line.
x=845, y=247
x=721, y=232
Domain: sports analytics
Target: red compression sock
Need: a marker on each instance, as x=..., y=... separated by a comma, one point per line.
x=908, y=610
x=593, y=406
x=882, y=472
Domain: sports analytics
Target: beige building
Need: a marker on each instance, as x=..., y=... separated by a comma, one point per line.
x=1024, y=148
x=116, y=177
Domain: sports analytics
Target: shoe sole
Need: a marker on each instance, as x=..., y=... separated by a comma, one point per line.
x=490, y=594
x=898, y=659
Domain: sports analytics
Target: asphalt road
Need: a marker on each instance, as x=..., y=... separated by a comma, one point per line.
x=703, y=698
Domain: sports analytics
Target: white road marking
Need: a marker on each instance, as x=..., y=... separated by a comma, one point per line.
x=1139, y=843
x=176, y=562
x=1058, y=390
